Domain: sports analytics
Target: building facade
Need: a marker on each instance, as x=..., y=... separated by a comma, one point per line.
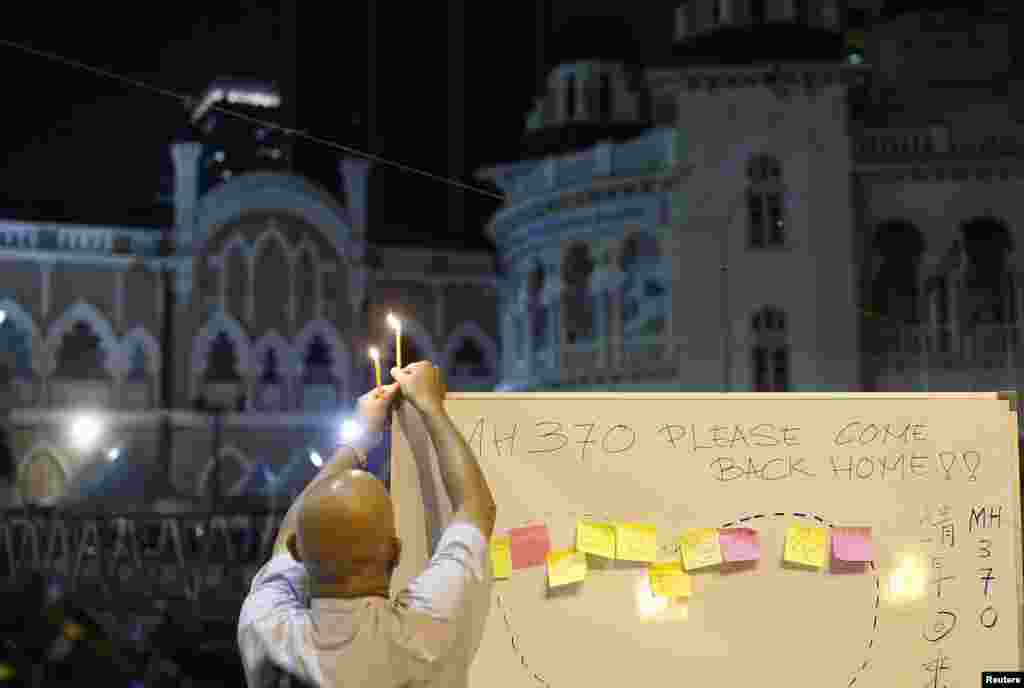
x=782, y=224
x=261, y=301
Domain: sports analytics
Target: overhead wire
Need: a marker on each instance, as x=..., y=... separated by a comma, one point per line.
x=303, y=134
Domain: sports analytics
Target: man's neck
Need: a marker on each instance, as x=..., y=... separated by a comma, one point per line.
x=374, y=586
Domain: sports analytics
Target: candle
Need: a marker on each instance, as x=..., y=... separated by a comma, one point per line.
x=375, y=355
x=397, y=325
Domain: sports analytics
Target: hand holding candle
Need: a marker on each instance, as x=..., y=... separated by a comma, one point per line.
x=375, y=355
x=396, y=324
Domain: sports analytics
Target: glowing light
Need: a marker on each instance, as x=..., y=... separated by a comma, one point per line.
x=256, y=98
x=85, y=430
x=648, y=605
x=316, y=459
x=3, y=317
x=114, y=453
x=907, y=581
x=396, y=325
x=351, y=430
x=219, y=156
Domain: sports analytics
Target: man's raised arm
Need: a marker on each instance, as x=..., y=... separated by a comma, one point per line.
x=460, y=471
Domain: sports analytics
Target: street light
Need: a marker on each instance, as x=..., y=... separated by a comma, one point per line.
x=315, y=458
x=351, y=430
x=85, y=432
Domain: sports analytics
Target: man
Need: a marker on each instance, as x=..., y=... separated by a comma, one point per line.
x=340, y=533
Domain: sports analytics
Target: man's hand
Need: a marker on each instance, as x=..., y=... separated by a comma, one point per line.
x=422, y=385
x=373, y=407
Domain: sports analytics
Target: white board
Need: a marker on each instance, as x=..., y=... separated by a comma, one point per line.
x=907, y=465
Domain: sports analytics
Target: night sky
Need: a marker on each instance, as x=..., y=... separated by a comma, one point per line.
x=97, y=146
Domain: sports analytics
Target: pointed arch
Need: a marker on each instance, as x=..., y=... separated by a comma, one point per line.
x=469, y=330
x=340, y=368
x=272, y=340
x=232, y=486
x=272, y=233
x=306, y=285
x=271, y=276
x=23, y=321
x=277, y=193
x=770, y=355
x=220, y=323
x=140, y=335
x=82, y=311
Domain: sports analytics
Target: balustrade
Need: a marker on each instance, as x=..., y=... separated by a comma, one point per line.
x=140, y=555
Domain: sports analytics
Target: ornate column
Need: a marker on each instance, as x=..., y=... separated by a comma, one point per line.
x=45, y=287
x=186, y=192
x=551, y=297
x=119, y=279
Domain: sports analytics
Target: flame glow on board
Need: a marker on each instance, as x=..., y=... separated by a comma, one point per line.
x=907, y=581
x=394, y=322
x=374, y=353
x=654, y=608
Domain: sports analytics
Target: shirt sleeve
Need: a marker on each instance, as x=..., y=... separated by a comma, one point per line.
x=458, y=568
x=272, y=621
x=448, y=603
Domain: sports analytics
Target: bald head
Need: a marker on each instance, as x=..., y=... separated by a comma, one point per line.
x=346, y=528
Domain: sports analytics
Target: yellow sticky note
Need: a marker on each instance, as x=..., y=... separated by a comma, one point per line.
x=596, y=538
x=501, y=556
x=566, y=566
x=807, y=545
x=669, y=580
x=700, y=548
x=636, y=541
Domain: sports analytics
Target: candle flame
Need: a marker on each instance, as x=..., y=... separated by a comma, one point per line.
x=374, y=353
x=394, y=322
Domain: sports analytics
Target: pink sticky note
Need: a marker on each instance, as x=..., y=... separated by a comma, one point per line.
x=852, y=544
x=530, y=546
x=740, y=544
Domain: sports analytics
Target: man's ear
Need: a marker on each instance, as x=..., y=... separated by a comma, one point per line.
x=398, y=554
x=293, y=546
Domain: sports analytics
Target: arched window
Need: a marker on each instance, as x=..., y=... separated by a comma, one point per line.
x=470, y=360
x=570, y=97
x=766, y=221
x=80, y=356
x=270, y=368
x=305, y=288
x=137, y=363
x=605, y=97
x=643, y=290
x=895, y=291
x=236, y=282
x=226, y=477
x=538, y=311
x=579, y=306
x=15, y=350
x=989, y=287
x=319, y=362
x=223, y=363
x=770, y=354
x=272, y=285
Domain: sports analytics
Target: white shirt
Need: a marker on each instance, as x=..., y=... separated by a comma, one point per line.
x=426, y=637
